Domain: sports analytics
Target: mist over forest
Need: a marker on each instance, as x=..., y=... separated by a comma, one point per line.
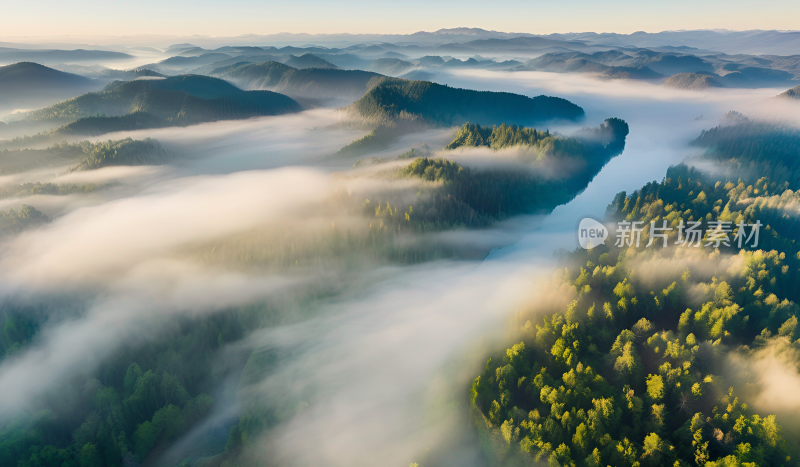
x=366, y=249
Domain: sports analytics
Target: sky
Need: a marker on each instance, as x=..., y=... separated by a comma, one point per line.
x=86, y=18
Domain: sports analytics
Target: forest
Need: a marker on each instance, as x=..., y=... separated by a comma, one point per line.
x=631, y=371
x=750, y=149
x=351, y=249
x=464, y=197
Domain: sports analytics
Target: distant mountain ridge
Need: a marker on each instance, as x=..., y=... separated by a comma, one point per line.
x=748, y=41
x=652, y=64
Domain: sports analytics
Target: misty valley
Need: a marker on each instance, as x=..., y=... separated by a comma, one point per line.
x=363, y=249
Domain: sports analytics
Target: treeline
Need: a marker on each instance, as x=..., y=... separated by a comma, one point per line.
x=30, y=189
x=470, y=135
x=608, y=137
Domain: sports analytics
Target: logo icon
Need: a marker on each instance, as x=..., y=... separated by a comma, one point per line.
x=591, y=233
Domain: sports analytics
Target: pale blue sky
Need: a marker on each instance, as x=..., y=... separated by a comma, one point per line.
x=216, y=18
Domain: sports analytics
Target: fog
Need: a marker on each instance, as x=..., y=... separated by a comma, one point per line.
x=383, y=364
x=84, y=246
x=770, y=378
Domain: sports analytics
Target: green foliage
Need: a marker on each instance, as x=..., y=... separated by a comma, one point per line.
x=13, y=221
x=619, y=388
x=459, y=197
x=129, y=413
x=123, y=152
x=29, y=189
x=648, y=360
x=435, y=170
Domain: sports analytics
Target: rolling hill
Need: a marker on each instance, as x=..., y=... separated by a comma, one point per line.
x=392, y=100
x=178, y=100
x=30, y=85
x=308, y=82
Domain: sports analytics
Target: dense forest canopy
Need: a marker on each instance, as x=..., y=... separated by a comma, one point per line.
x=632, y=372
x=271, y=300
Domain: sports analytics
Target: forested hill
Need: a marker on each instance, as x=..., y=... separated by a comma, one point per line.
x=463, y=196
x=26, y=82
x=177, y=100
x=285, y=79
x=393, y=99
x=751, y=149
